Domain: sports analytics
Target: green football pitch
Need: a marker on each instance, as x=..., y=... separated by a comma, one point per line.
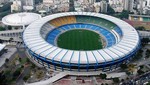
x=79, y=39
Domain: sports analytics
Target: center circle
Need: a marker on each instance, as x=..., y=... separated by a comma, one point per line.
x=80, y=39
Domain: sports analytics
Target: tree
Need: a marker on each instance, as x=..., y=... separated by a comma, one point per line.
x=122, y=80
x=116, y=80
x=16, y=73
x=110, y=10
x=147, y=53
x=27, y=60
x=11, y=39
x=1, y=41
x=106, y=84
x=6, y=60
x=123, y=66
x=145, y=40
x=2, y=78
x=2, y=28
x=148, y=83
x=102, y=84
x=20, y=59
x=128, y=73
x=140, y=72
x=33, y=66
x=9, y=28
x=6, y=7
x=141, y=66
x=140, y=28
x=103, y=76
x=25, y=78
x=124, y=14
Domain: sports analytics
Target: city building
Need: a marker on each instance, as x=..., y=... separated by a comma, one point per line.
x=97, y=7
x=16, y=6
x=28, y=5
x=3, y=1
x=48, y=1
x=103, y=6
x=128, y=5
x=117, y=5
x=143, y=18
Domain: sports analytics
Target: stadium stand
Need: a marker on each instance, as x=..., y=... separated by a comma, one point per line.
x=97, y=21
x=63, y=20
x=109, y=37
x=83, y=19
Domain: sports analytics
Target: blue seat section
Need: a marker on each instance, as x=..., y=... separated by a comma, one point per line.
x=109, y=37
x=52, y=35
x=77, y=26
x=118, y=30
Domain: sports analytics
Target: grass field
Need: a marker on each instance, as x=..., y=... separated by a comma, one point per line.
x=79, y=39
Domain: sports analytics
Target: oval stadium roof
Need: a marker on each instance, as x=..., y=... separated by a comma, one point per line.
x=117, y=51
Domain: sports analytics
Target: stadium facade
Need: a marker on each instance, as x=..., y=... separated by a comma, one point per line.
x=40, y=37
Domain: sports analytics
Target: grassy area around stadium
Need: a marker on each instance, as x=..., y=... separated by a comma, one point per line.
x=79, y=39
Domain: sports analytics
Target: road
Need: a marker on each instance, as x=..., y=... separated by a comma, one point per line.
x=25, y=72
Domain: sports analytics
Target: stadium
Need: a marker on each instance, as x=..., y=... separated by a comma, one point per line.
x=81, y=41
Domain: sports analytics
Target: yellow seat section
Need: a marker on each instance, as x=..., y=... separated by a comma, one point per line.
x=63, y=20
x=71, y=19
x=55, y=22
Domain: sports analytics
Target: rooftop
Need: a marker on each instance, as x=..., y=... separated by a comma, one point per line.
x=19, y=19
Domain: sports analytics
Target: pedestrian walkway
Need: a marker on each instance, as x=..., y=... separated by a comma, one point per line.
x=50, y=80
x=65, y=73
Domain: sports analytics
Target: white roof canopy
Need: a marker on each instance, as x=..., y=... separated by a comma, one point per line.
x=19, y=19
x=117, y=51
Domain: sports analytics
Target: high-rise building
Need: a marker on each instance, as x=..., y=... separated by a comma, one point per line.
x=128, y=5
x=103, y=6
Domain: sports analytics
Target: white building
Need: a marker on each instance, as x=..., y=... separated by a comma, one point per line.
x=117, y=5
x=48, y=2
x=128, y=5
x=16, y=6
x=28, y=5
x=97, y=7
x=144, y=6
x=82, y=5
x=57, y=5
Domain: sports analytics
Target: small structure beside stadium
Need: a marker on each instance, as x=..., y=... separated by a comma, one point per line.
x=18, y=20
